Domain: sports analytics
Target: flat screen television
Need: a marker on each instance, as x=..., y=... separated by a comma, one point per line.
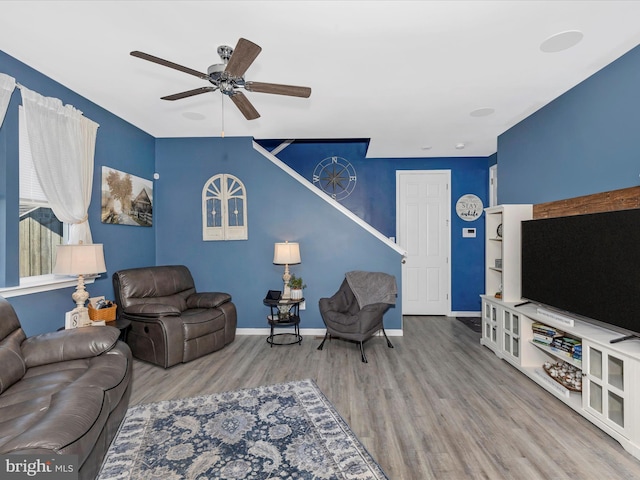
x=587, y=265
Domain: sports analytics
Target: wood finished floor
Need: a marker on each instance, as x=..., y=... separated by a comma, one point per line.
x=437, y=406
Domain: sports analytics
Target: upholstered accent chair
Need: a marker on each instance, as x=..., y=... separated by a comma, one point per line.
x=356, y=310
x=171, y=323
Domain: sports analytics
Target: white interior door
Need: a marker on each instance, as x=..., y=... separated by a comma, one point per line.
x=423, y=214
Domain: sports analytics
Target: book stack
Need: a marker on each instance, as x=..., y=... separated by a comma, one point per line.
x=545, y=334
x=567, y=347
x=577, y=352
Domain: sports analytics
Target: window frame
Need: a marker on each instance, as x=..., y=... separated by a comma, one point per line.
x=37, y=283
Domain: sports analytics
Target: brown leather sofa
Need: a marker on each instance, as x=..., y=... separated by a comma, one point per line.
x=63, y=392
x=171, y=323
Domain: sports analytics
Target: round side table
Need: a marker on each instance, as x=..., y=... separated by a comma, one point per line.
x=284, y=313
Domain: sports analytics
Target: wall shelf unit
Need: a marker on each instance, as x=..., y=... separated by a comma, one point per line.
x=502, y=259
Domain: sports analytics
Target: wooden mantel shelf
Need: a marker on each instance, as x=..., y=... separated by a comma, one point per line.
x=623, y=199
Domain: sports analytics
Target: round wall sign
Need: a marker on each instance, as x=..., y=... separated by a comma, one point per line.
x=469, y=207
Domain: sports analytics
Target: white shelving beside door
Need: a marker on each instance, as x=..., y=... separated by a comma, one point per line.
x=502, y=259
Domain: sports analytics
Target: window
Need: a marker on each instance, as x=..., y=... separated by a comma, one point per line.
x=40, y=230
x=224, y=209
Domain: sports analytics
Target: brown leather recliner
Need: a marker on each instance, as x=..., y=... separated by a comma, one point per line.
x=171, y=323
x=62, y=392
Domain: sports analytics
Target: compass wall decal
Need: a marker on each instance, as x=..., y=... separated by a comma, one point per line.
x=335, y=176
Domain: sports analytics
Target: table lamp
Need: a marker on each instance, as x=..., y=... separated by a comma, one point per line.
x=285, y=253
x=80, y=259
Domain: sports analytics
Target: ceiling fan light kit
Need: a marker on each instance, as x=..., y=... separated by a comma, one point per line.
x=228, y=77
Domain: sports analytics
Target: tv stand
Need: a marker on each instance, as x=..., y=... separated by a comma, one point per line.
x=610, y=394
x=622, y=339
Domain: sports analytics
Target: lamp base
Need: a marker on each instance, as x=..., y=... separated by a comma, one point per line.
x=80, y=296
x=286, y=290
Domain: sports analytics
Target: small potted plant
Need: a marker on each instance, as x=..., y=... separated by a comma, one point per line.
x=296, y=285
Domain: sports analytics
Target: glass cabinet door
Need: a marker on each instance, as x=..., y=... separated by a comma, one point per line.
x=490, y=326
x=494, y=324
x=511, y=335
x=606, y=386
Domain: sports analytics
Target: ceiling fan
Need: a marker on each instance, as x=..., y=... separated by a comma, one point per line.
x=228, y=77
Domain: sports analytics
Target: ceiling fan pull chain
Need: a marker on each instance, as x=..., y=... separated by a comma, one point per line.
x=222, y=106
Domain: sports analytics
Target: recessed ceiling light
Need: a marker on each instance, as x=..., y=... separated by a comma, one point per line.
x=426, y=147
x=561, y=41
x=460, y=146
x=193, y=116
x=482, y=112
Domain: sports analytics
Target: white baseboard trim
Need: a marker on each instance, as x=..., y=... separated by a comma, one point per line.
x=318, y=332
x=393, y=332
x=466, y=314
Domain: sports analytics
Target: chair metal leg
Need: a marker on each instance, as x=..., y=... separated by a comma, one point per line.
x=364, y=357
x=388, y=341
x=323, y=340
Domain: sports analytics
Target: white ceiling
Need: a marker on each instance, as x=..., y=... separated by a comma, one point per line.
x=407, y=75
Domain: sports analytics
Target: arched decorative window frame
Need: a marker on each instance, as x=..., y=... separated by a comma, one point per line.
x=223, y=194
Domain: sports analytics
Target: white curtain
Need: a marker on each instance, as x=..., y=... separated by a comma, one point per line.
x=7, y=85
x=62, y=145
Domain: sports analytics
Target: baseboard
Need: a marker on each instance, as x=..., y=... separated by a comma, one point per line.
x=466, y=314
x=318, y=332
x=393, y=332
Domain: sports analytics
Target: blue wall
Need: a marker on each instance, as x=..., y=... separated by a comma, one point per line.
x=374, y=200
x=585, y=141
x=118, y=145
x=279, y=208
x=581, y=143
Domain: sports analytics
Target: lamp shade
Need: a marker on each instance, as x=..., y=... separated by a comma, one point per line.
x=82, y=259
x=286, y=253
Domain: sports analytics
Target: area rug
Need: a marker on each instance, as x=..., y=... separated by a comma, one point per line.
x=289, y=430
x=474, y=323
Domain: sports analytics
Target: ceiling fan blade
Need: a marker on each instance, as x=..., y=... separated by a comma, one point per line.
x=189, y=93
x=242, y=57
x=276, y=88
x=167, y=63
x=245, y=106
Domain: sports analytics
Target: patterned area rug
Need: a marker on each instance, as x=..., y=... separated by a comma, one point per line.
x=474, y=323
x=289, y=430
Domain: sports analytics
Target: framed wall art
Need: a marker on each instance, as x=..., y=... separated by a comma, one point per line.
x=126, y=199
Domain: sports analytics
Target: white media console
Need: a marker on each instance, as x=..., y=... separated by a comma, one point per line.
x=610, y=389
x=610, y=396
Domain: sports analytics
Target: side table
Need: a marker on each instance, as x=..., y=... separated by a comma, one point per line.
x=284, y=313
x=122, y=325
